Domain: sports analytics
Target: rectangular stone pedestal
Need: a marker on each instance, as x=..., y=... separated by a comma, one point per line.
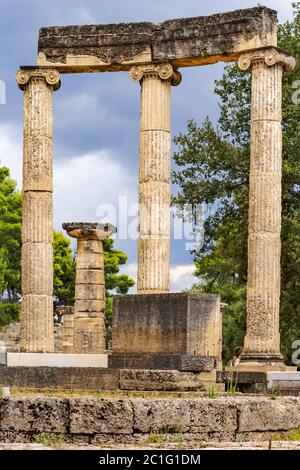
x=166, y=331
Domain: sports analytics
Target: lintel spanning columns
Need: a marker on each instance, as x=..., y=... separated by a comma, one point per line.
x=154, y=176
x=89, y=317
x=37, y=228
x=262, y=341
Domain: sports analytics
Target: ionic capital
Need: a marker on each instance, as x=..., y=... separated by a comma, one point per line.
x=269, y=56
x=162, y=71
x=51, y=76
x=89, y=230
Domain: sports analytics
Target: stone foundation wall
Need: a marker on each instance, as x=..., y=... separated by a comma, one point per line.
x=101, y=420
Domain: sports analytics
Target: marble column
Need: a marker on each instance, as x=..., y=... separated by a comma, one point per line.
x=37, y=227
x=154, y=176
x=262, y=341
x=89, y=317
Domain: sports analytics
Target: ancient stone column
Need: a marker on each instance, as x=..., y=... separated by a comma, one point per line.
x=67, y=329
x=37, y=229
x=262, y=341
x=89, y=317
x=154, y=176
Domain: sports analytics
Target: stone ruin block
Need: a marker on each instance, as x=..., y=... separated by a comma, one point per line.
x=166, y=331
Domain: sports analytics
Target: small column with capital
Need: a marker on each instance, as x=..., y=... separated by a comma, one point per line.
x=89, y=316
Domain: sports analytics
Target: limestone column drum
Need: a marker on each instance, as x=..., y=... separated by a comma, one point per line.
x=154, y=176
x=89, y=317
x=37, y=228
x=262, y=341
x=67, y=329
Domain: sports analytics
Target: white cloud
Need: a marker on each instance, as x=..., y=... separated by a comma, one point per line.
x=11, y=150
x=85, y=182
x=181, y=276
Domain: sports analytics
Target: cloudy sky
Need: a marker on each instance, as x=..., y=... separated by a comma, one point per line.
x=96, y=127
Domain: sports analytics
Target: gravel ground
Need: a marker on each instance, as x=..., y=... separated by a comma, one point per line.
x=275, y=445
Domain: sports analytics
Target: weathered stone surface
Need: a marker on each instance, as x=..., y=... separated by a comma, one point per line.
x=33, y=414
x=262, y=340
x=89, y=334
x=89, y=292
x=187, y=324
x=135, y=379
x=37, y=223
x=90, y=276
x=154, y=178
x=184, y=42
x=90, y=306
x=89, y=260
x=67, y=329
x=89, y=230
x=96, y=415
x=195, y=416
x=36, y=259
x=182, y=362
x=37, y=323
x=161, y=415
x=37, y=229
x=132, y=420
x=241, y=377
x=210, y=416
x=89, y=323
x=70, y=378
x=265, y=414
x=89, y=246
x=284, y=381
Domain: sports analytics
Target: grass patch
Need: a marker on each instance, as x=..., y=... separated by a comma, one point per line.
x=232, y=384
x=293, y=435
x=212, y=392
x=50, y=440
x=273, y=395
x=157, y=438
x=178, y=441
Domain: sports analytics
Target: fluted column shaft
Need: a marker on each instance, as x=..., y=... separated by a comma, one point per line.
x=37, y=227
x=262, y=338
x=154, y=176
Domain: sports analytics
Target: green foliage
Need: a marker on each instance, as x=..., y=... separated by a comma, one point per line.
x=231, y=386
x=10, y=236
x=64, y=269
x=213, y=170
x=113, y=259
x=212, y=392
x=9, y=313
x=114, y=282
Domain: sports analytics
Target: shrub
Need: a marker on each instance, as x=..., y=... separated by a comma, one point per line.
x=9, y=313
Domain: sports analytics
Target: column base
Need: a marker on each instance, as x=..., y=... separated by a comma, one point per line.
x=260, y=362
